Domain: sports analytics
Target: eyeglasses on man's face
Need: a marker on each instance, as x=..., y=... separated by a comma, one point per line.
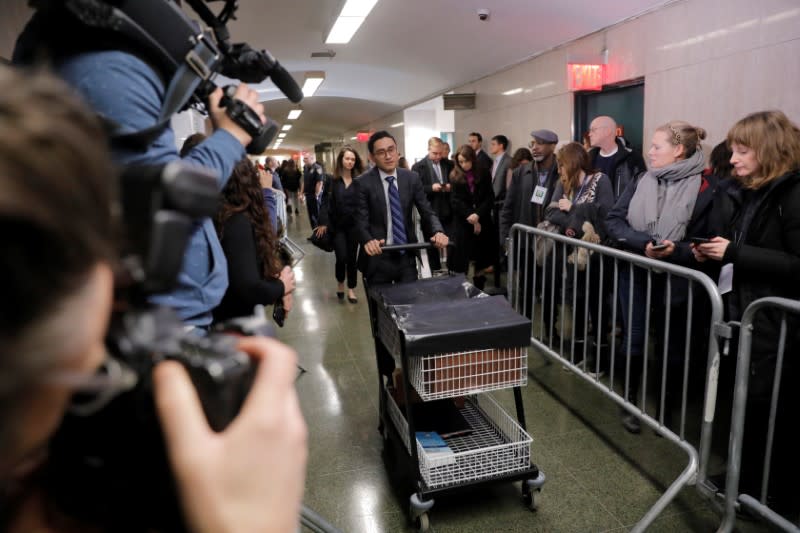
x=385, y=152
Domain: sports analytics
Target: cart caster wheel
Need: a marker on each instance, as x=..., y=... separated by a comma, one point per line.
x=422, y=523
x=531, y=499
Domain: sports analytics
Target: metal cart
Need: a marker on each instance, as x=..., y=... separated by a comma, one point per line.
x=495, y=447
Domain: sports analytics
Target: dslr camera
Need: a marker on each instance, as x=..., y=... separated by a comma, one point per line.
x=108, y=464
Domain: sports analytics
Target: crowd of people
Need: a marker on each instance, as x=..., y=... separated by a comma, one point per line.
x=734, y=220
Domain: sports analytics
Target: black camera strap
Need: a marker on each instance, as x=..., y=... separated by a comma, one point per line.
x=166, y=31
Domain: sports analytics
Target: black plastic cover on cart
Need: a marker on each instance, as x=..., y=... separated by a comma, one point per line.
x=461, y=325
x=426, y=290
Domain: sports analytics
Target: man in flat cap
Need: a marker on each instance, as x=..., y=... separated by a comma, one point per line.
x=532, y=185
x=530, y=193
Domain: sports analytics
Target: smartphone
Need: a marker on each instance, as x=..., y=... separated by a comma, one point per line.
x=699, y=240
x=659, y=247
x=279, y=313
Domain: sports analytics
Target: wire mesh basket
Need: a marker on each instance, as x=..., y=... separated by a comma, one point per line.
x=447, y=375
x=494, y=447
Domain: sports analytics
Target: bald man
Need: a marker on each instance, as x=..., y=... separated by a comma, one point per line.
x=611, y=157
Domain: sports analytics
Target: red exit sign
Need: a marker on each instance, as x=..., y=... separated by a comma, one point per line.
x=584, y=77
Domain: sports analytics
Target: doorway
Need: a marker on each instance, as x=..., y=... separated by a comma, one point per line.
x=623, y=102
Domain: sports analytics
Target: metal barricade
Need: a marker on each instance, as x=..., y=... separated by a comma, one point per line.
x=758, y=506
x=548, y=270
x=280, y=211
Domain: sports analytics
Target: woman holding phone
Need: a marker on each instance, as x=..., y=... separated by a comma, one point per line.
x=656, y=216
x=757, y=249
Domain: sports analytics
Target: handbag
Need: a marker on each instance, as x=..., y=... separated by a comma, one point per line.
x=544, y=245
x=324, y=243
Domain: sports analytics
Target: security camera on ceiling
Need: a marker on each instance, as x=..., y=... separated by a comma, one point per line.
x=483, y=14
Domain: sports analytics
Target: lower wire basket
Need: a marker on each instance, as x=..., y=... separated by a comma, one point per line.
x=496, y=446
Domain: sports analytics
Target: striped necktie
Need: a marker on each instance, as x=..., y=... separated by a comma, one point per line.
x=398, y=227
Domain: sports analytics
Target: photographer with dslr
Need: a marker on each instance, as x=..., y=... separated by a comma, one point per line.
x=129, y=86
x=58, y=221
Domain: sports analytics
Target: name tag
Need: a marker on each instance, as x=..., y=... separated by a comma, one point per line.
x=725, y=283
x=538, y=195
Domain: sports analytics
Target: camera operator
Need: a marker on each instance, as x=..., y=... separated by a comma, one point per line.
x=57, y=219
x=126, y=86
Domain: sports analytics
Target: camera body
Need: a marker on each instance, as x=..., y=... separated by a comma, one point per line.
x=109, y=466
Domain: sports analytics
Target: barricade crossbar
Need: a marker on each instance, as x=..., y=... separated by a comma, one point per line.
x=548, y=271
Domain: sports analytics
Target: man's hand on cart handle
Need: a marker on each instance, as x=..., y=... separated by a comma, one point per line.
x=440, y=240
x=373, y=247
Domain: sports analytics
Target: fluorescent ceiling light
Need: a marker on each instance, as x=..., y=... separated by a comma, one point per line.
x=282, y=135
x=294, y=113
x=343, y=30
x=512, y=91
x=350, y=19
x=353, y=138
x=312, y=83
x=286, y=127
x=357, y=8
x=397, y=125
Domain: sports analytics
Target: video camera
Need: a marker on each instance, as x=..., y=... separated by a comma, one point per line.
x=108, y=463
x=160, y=32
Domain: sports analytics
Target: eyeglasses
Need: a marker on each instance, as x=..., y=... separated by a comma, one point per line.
x=384, y=152
x=532, y=144
x=92, y=392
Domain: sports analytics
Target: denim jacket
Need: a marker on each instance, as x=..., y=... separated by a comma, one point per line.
x=124, y=89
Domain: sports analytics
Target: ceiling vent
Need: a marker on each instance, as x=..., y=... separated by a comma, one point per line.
x=459, y=101
x=330, y=54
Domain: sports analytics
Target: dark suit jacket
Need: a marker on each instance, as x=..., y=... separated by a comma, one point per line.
x=440, y=201
x=371, y=218
x=499, y=179
x=517, y=206
x=485, y=159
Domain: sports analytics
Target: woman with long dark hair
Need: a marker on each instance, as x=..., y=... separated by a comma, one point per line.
x=255, y=273
x=582, y=198
x=471, y=200
x=337, y=215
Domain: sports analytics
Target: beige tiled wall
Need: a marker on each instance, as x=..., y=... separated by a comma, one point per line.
x=706, y=61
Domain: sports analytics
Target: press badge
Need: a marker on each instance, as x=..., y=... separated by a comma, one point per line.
x=725, y=283
x=538, y=195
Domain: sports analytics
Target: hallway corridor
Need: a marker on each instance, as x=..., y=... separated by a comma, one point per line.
x=599, y=477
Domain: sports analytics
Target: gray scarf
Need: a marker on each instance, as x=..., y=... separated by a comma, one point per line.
x=664, y=199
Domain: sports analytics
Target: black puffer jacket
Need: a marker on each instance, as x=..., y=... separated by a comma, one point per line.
x=765, y=252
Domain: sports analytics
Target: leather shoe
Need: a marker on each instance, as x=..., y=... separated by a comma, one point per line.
x=340, y=295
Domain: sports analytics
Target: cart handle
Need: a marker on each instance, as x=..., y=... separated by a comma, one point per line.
x=409, y=246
